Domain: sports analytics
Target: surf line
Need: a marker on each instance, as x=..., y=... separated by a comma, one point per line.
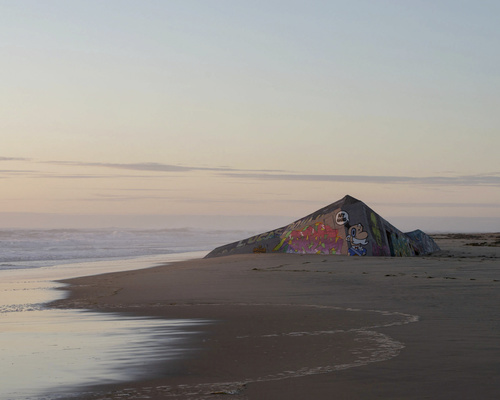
x=377, y=347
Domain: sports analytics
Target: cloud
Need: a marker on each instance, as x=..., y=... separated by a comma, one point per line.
x=170, y=196
x=483, y=179
x=14, y=159
x=96, y=176
x=16, y=172
x=51, y=175
x=492, y=179
x=442, y=205
x=155, y=167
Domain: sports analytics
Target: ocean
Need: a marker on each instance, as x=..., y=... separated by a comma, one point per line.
x=55, y=354
x=27, y=249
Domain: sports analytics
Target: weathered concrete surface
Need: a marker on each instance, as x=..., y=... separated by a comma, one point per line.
x=347, y=227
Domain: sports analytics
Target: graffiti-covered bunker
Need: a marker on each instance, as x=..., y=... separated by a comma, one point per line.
x=347, y=227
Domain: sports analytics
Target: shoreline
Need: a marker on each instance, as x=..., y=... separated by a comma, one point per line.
x=278, y=314
x=79, y=345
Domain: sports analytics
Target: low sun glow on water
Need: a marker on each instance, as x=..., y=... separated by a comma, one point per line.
x=56, y=351
x=53, y=354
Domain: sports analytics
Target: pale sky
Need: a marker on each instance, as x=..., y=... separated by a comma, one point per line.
x=142, y=113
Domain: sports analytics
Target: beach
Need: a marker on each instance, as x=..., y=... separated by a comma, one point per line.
x=286, y=326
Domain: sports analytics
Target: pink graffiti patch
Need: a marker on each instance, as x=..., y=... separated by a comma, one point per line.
x=313, y=239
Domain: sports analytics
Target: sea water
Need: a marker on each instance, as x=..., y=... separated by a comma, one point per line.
x=26, y=249
x=53, y=354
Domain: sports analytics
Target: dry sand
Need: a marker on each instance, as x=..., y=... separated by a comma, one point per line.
x=319, y=327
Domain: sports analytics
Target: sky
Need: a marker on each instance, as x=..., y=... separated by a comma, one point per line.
x=226, y=113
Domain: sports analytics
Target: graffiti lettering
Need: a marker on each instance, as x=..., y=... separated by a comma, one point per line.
x=342, y=218
x=299, y=223
x=258, y=238
x=259, y=249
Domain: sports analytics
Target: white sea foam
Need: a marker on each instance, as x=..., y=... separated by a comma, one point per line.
x=371, y=346
x=25, y=249
x=82, y=347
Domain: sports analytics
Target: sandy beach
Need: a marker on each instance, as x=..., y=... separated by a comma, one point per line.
x=283, y=326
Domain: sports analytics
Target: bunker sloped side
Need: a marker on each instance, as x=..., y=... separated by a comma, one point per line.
x=347, y=226
x=315, y=233
x=262, y=243
x=368, y=234
x=422, y=242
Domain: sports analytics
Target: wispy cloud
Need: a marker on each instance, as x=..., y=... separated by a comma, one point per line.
x=92, y=176
x=492, y=179
x=16, y=172
x=440, y=205
x=55, y=175
x=105, y=198
x=155, y=167
x=14, y=159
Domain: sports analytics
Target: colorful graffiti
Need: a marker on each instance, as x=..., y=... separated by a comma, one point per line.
x=379, y=248
x=401, y=246
x=319, y=238
x=358, y=238
x=346, y=227
x=325, y=216
x=382, y=251
x=259, y=249
x=376, y=231
x=422, y=243
x=263, y=236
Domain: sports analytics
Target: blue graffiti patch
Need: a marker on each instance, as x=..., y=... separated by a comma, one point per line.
x=360, y=251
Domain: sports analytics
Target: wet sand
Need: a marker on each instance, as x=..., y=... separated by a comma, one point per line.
x=318, y=327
